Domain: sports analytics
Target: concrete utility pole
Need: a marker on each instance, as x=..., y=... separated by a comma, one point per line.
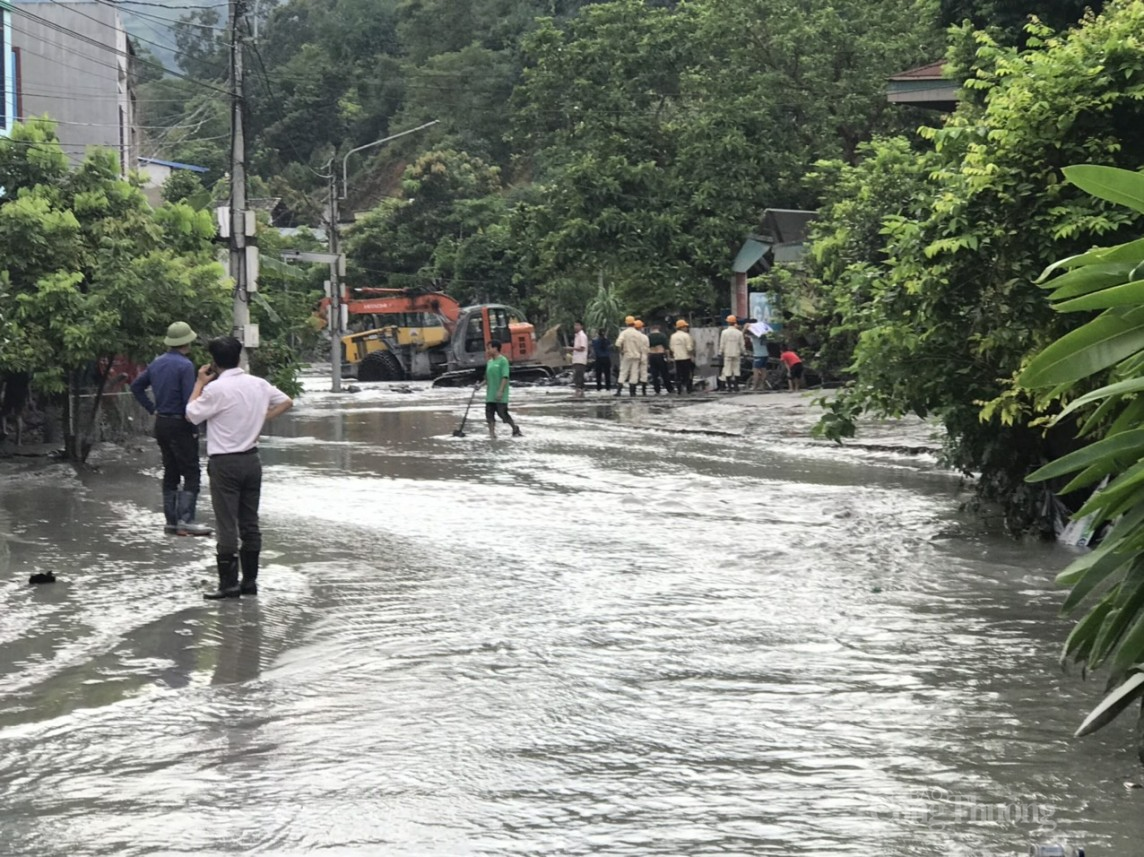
x=243, y=252
x=335, y=286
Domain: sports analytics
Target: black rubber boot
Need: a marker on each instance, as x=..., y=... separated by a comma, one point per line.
x=227, y=579
x=643, y=389
x=631, y=391
x=171, y=511
x=249, y=561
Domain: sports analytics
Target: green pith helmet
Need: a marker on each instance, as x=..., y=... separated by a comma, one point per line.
x=179, y=333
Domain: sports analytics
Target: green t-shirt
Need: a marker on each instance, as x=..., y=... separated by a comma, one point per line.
x=655, y=339
x=496, y=370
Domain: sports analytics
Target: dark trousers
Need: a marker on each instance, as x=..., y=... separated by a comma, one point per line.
x=657, y=369
x=578, y=370
x=684, y=371
x=236, y=488
x=603, y=369
x=498, y=409
x=179, y=445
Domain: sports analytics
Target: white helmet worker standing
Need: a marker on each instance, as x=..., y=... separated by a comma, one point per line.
x=731, y=346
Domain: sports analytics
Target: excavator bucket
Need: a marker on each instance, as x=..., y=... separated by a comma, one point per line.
x=548, y=350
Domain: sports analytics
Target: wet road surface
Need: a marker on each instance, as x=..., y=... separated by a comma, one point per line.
x=639, y=630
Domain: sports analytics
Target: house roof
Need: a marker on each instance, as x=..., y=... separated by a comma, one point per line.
x=925, y=72
x=782, y=232
x=925, y=86
x=174, y=165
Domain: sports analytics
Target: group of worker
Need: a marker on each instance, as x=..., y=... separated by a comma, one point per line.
x=644, y=357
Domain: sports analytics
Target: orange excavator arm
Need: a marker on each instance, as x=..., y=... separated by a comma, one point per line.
x=393, y=301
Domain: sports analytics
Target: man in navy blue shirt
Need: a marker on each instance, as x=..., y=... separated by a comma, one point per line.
x=171, y=377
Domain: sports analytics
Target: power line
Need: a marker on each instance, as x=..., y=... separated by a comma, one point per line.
x=56, y=96
x=159, y=19
x=167, y=6
x=112, y=27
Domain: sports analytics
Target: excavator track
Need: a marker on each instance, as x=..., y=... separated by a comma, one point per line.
x=381, y=366
x=467, y=377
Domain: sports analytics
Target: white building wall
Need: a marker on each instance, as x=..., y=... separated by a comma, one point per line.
x=76, y=72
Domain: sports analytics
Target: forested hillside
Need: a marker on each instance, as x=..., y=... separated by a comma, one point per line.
x=639, y=139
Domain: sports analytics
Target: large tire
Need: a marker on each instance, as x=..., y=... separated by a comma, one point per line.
x=381, y=366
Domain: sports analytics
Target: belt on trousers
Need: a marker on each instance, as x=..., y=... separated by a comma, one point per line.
x=173, y=416
x=250, y=451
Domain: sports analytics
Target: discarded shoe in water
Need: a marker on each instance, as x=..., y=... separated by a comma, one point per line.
x=42, y=577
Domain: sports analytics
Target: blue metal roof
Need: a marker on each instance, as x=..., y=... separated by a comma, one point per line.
x=174, y=165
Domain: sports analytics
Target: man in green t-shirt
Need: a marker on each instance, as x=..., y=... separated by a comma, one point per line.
x=496, y=389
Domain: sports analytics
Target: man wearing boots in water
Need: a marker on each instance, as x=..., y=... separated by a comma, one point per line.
x=683, y=353
x=496, y=389
x=237, y=406
x=731, y=346
x=630, y=344
x=657, y=359
x=171, y=377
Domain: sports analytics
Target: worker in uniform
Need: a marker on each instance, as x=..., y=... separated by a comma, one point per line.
x=631, y=346
x=731, y=347
x=657, y=360
x=682, y=346
x=639, y=326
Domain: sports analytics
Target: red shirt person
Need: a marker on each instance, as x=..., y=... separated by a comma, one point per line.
x=794, y=369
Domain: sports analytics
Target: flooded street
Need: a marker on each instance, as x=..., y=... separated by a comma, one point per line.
x=638, y=630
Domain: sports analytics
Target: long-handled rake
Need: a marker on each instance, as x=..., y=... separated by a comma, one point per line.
x=460, y=431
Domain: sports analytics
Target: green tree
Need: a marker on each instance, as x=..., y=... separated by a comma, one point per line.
x=97, y=272
x=847, y=246
x=952, y=311
x=660, y=134
x=185, y=186
x=201, y=47
x=448, y=197
x=1009, y=17
x=1108, y=581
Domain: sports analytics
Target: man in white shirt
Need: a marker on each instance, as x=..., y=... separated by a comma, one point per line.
x=235, y=406
x=731, y=345
x=579, y=359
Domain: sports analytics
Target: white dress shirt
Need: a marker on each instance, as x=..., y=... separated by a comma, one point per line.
x=580, y=341
x=234, y=406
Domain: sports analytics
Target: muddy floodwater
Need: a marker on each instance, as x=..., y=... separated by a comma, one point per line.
x=641, y=629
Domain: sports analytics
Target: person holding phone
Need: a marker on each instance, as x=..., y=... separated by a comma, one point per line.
x=235, y=406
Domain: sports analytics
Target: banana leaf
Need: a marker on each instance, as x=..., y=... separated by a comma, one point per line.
x=1129, y=443
x=1103, y=342
x=1121, y=186
x=1127, y=294
x=1113, y=704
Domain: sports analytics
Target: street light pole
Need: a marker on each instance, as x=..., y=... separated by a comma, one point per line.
x=337, y=260
x=345, y=178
